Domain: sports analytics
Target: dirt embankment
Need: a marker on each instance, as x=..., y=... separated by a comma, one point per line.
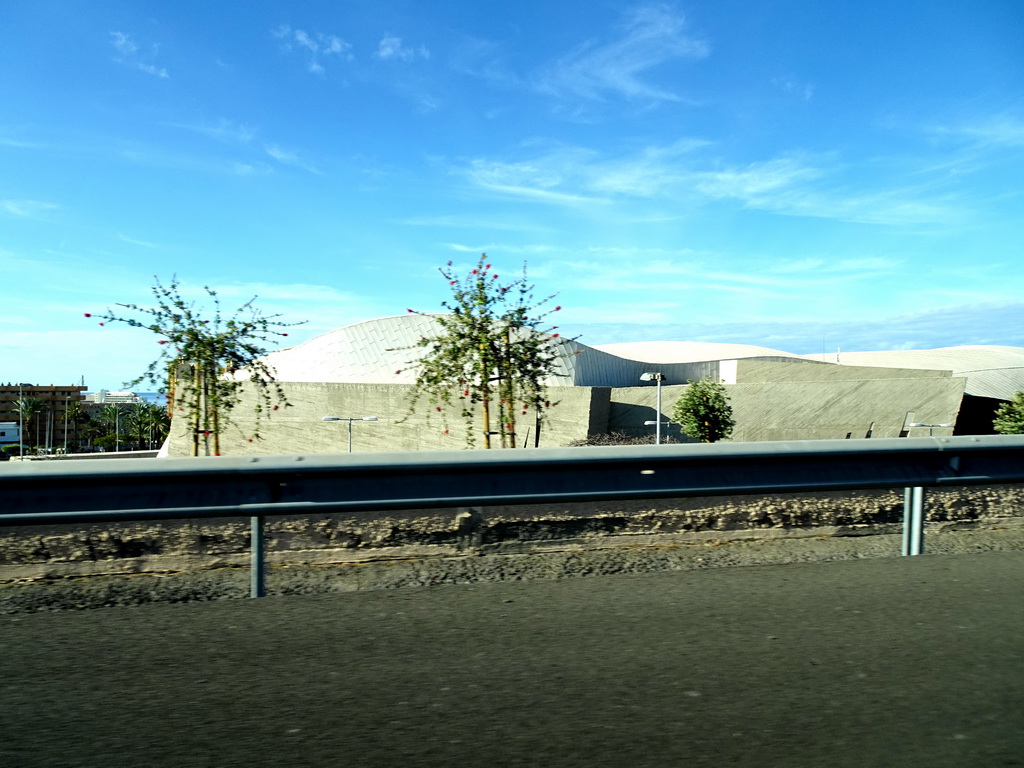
x=52, y=567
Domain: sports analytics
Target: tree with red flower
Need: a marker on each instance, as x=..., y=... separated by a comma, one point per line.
x=492, y=355
x=205, y=362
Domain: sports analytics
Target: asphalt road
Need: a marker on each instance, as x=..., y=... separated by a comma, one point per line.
x=900, y=662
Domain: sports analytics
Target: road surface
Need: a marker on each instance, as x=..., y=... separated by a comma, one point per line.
x=896, y=662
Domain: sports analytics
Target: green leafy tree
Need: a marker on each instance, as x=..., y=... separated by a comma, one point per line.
x=156, y=424
x=491, y=356
x=207, y=358
x=74, y=415
x=29, y=409
x=146, y=423
x=113, y=422
x=704, y=412
x=1010, y=416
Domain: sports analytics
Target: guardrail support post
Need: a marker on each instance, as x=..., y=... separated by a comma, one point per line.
x=257, y=575
x=913, y=521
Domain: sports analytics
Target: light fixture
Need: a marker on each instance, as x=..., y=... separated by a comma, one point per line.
x=931, y=427
x=349, y=419
x=657, y=377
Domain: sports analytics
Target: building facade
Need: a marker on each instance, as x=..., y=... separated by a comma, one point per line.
x=48, y=428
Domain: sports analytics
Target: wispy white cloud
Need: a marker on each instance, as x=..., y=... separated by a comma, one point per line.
x=571, y=175
x=133, y=241
x=27, y=209
x=317, y=307
x=487, y=60
x=130, y=54
x=650, y=172
x=680, y=273
x=538, y=181
x=17, y=143
x=574, y=176
x=637, y=275
x=981, y=323
x=990, y=131
x=794, y=186
x=756, y=183
x=499, y=248
x=230, y=132
x=630, y=316
x=240, y=168
x=846, y=266
x=283, y=292
x=904, y=206
x=316, y=47
x=685, y=173
x=652, y=35
x=225, y=131
x=288, y=157
x=793, y=87
x=469, y=221
x=390, y=47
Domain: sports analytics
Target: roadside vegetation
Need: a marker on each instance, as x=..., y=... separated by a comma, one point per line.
x=205, y=358
x=704, y=412
x=494, y=350
x=1009, y=418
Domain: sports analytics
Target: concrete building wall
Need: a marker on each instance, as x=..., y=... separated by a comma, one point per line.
x=817, y=410
x=763, y=410
x=804, y=410
x=748, y=371
x=300, y=429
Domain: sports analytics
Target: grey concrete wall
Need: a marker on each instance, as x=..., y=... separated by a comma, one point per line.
x=822, y=410
x=300, y=429
x=748, y=371
x=804, y=410
x=764, y=410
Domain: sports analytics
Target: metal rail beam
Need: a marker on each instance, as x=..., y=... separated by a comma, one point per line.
x=273, y=485
x=277, y=485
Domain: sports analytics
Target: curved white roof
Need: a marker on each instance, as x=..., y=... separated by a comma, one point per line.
x=688, y=351
x=384, y=351
x=991, y=371
x=380, y=351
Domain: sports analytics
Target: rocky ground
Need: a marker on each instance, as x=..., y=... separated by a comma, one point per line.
x=68, y=567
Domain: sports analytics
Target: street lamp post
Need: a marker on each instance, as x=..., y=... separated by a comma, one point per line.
x=349, y=419
x=657, y=378
x=931, y=427
x=21, y=423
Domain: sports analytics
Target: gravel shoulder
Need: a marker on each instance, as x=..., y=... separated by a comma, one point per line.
x=553, y=560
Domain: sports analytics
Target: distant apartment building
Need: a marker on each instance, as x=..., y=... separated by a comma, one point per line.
x=97, y=401
x=47, y=427
x=106, y=397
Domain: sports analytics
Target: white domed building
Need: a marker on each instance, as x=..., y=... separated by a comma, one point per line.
x=367, y=369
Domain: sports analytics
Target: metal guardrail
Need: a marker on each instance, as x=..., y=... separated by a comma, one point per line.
x=257, y=486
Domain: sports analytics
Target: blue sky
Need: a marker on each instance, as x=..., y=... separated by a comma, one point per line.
x=795, y=174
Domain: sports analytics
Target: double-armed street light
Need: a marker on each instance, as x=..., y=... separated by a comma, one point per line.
x=349, y=419
x=931, y=427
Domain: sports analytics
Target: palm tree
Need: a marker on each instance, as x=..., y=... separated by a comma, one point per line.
x=160, y=423
x=133, y=422
x=74, y=414
x=90, y=429
x=110, y=417
x=28, y=408
x=147, y=422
